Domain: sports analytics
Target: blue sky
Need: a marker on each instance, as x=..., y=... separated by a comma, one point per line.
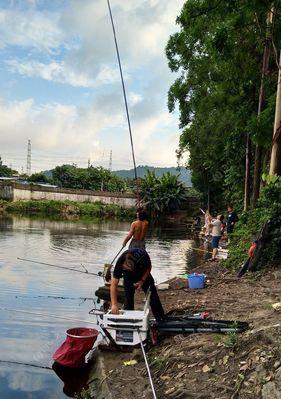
x=60, y=84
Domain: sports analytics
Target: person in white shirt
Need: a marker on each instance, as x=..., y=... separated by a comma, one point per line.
x=216, y=233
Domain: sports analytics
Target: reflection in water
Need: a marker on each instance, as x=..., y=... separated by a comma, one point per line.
x=74, y=379
x=26, y=286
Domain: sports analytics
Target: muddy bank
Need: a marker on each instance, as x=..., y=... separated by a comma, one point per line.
x=220, y=366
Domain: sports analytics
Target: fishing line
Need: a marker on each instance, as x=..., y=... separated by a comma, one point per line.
x=99, y=274
x=147, y=366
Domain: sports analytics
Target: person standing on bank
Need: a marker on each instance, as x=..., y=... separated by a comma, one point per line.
x=216, y=236
x=137, y=231
x=232, y=218
x=134, y=266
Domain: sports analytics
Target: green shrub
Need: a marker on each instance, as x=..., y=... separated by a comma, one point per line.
x=250, y=225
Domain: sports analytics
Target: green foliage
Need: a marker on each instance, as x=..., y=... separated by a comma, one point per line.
x=38, y=178
x=182, y=172
x=162, y=195
x=5, y=171
x=70, y=176
x=84, y=394
x=231, y=341
x=217, y=54
x=80, y=209
x=251, y=223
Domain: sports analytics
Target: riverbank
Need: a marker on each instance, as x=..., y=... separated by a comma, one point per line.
x=219, y=366
x=67, y=209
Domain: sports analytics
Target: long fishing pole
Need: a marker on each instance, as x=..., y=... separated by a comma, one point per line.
x=26, y=364
x=52, y=316
x=46, y=315
x=125, y=98
x=147, y=366
x=200, y=250
x=56, y=297
x=99, y=274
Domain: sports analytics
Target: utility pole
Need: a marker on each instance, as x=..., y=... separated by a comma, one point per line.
x=28, y=160
x=265, y=63
x=110, y=161
x=275, y=161
x=89, y=163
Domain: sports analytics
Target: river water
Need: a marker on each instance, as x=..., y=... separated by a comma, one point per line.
x=31, y=339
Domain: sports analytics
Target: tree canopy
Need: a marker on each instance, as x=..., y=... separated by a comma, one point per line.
x=70, y=176
x=218, y=54
x=5, y=171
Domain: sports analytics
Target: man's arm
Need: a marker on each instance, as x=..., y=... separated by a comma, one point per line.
x=113, y=295
x=139, y=284
x=129, y=235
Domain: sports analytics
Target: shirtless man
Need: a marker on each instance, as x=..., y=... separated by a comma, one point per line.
x=137, y=231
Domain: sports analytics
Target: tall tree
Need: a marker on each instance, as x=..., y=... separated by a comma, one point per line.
x=218, y=55
x=261, y=105
x=275, y=162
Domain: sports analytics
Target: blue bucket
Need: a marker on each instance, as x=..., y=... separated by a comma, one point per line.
x=196, y=281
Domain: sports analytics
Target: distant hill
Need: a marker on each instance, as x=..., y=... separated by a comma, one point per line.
x=184, y=174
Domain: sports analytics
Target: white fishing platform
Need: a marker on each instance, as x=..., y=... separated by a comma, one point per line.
x=128, y=327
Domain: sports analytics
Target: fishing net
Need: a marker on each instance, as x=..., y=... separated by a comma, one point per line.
x=78, y=343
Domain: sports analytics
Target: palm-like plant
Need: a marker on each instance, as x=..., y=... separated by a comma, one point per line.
x=162, y=195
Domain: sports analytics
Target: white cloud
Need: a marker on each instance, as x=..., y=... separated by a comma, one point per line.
x=31, y=29
x=63, y=73
x=81, y=132
x=143, y=28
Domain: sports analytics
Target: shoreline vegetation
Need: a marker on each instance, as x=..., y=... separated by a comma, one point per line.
x=66, y=209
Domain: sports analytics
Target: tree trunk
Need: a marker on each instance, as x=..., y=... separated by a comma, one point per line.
x=247, y=174
x=257, y=175
x=265, y=63
x=275, y=162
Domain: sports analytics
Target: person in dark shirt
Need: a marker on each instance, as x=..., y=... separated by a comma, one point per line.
x=232, y=218
x=134, y=266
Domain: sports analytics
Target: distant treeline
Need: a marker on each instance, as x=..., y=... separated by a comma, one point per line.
x=68, y=208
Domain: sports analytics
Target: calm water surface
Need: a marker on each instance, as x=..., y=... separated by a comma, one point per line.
x=31, y=287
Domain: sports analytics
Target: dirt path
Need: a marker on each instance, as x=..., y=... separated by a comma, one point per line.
x=219, y=366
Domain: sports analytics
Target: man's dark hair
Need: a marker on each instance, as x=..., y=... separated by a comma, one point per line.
x=142, y=215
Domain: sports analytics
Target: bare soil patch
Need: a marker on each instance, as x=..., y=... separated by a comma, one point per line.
x=220, y=366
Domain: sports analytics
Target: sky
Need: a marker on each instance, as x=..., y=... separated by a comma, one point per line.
x=60, y=85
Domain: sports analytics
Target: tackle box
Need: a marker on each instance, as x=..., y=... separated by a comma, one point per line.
x=128, y=327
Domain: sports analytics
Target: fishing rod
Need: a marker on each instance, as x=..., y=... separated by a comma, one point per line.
x=56, y=297
x=125, y=99
x=99, y=274
x=26, y=364
x=52, y=316
x=200, y=250
x=46, y=315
